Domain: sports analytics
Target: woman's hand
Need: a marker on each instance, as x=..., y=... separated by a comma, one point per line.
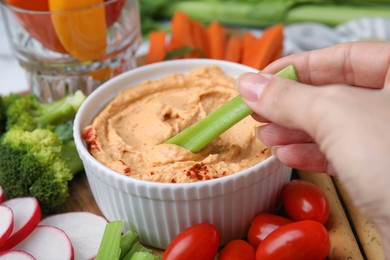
x=335, y=119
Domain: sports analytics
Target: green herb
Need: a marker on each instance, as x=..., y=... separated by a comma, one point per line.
x=200, y=134
x=110, y=245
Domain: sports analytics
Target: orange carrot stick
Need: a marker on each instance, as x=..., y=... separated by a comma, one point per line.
x=157, y=48
x=249, y=41
x=268, y=47
x=181, y=31
x=200, y=38
x=217, y=39
x=234, y=49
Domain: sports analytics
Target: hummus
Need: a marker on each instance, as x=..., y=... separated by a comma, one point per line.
x=128, y=134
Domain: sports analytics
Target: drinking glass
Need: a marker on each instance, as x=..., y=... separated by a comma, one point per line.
x=66, y=46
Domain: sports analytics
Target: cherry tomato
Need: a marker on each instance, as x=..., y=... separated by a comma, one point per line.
x=262, y=225
x=306, y=239
x=200, y=241
x=303, y=200
x=237, y=250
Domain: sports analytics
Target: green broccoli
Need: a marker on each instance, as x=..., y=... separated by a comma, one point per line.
x=38, y=156
x=28, y=113
x=38, y=163
x=5, y=102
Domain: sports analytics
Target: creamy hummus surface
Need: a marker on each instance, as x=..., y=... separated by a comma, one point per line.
x=128, y=134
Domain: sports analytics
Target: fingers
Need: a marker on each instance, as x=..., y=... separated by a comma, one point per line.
x=307, y=157
x=364, y=64
x=281, y=101
x=275, y=135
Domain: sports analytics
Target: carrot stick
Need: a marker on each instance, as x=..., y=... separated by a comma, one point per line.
x=278, y=53
x=200, y=38
x=217, y=39
x=249, y=41
x=234, y=49
x=267, y=47
x=157, y=48
x=181, y=31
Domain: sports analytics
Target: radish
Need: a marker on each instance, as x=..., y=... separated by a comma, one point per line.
x=27, y=215
x=1, y=194
x=47, y=242
x=84, y=229
x=15, y=255
x=6, y=223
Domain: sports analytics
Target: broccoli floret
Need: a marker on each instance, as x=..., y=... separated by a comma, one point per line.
x=3, y=117
x=28, y=113
x=37, y=163
x=5, y=102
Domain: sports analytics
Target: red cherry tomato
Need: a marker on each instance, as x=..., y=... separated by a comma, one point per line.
x=200, y=241
x=237, y=250
x=262, y=225
x=306, y=239
x=303, y=200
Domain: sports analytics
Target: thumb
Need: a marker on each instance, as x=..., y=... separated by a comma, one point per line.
x=279, y=100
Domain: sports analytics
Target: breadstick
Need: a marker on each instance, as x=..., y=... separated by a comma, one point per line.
x=343, y=242
x=366, y=231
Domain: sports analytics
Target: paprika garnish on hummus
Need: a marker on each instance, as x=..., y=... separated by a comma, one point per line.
x=128, y=134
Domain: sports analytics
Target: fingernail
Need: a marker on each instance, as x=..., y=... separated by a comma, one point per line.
x=274, y=151
x=252, y=85
x=257, y=132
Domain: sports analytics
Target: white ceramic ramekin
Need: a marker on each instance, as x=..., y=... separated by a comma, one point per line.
x=159, y=211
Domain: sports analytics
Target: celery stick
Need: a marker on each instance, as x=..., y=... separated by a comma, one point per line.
x=137, y=247
x=200, y=134
x=127, y=241
x=144, y=256
x=334, y=14
x=110, y=245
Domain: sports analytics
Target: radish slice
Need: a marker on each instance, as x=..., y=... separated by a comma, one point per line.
x=15, y=255
x=1, y=194
x=47, y=242
x=27, y=215
x=6, y=223
x=84, y=229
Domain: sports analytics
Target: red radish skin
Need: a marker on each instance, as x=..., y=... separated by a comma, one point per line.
x=27, y=215
x=1, y=194
x=6, y=223
x=16, y=255
x=47, y=243
x=84, y=229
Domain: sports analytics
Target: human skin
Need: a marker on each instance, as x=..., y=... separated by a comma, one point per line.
x=336, y=119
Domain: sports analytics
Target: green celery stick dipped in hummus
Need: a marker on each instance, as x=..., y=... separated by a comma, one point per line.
x=200, y=134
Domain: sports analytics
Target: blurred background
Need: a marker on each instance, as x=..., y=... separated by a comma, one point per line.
x=308, y=25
